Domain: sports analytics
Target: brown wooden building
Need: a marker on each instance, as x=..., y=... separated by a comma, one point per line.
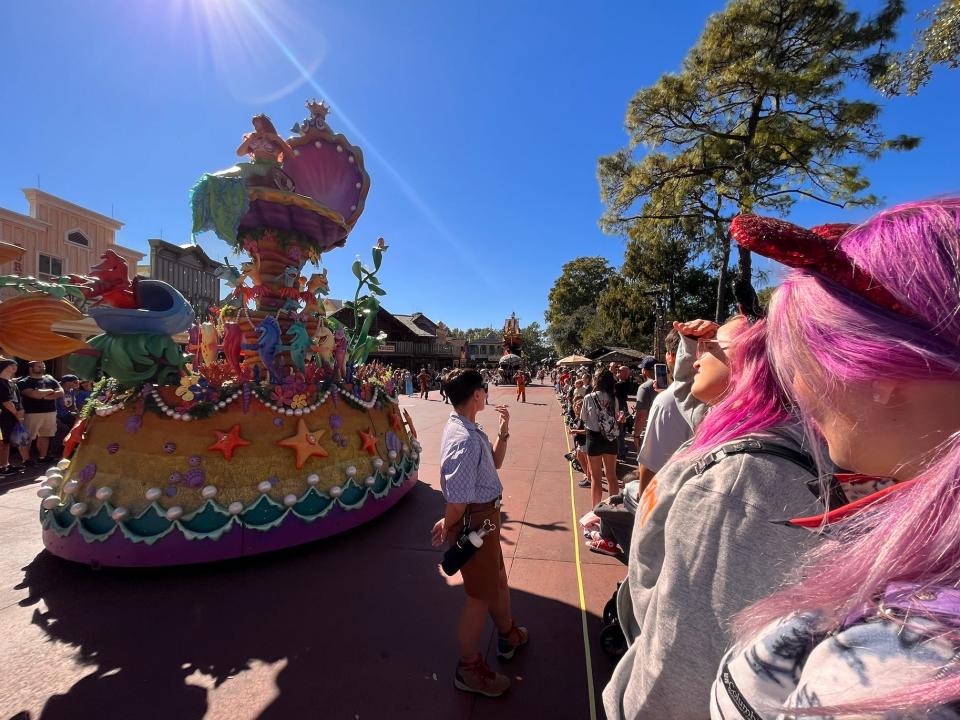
x=412, y=340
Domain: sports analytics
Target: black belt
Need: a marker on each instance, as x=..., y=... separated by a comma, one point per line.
x=480, y=507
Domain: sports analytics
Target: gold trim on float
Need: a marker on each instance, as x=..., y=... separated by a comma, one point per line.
x=302, y=201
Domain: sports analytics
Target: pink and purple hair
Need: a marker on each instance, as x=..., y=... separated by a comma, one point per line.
x=834, y=338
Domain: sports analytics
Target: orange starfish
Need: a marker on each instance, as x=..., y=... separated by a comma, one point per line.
x=306, y=443
x=369, y=440
x=227, y=442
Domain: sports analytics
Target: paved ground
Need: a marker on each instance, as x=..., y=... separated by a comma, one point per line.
x=357, y=627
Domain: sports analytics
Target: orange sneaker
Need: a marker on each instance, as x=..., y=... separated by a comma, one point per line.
x=508, y=642
x=477, y=677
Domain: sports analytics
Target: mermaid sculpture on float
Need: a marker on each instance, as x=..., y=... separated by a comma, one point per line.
x=262, y=437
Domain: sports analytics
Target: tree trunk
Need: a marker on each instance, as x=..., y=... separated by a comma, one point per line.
x=745, y=267
x=721, y=309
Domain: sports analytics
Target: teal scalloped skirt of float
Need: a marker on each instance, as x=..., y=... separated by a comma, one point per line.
x=219, y=201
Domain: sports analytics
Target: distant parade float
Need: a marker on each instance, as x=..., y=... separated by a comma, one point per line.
x=269, y=430
x=511, y=360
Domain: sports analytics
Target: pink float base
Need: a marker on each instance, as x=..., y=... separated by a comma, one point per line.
x=239, y=541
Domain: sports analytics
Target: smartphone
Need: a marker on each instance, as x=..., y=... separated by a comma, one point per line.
x=660, y=379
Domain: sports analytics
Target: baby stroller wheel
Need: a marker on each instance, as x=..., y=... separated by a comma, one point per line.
x=610, y=610
x=612, y=641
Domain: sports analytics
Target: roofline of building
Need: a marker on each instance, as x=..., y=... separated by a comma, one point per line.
x=33, y=194
x=32, y=222
x=183, y=248
x=124, y=250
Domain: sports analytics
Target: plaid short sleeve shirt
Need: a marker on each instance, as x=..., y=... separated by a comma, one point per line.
x=467, y=471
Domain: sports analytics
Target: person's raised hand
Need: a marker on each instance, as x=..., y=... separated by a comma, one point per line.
x=504, y=413
x=697, y=328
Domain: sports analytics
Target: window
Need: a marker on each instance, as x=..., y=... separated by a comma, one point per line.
x=78, y=238
x=49, y=267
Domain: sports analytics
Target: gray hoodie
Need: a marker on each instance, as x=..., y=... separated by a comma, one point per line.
x=705, y=545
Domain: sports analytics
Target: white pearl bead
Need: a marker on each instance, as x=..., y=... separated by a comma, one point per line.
x=264, y=486
x=78, y=509
x=54, y=471
x=119, y=514
x=391, y=471
x=317, y=144
x=235, y=508
x=359, y=185
x=290, y=500
x=168, y=412
x=405, y=447
x=49, y=503
x=208, y=492
x=370, y=481
x=176, y=416
x=70, y=486
x=289, y=411
x=104, y=493
x=63, y=464
x=339, y=148
x=298, y=411
x=392, y=454
x=221, y=404
x=153, y=494
x=378, y=463
x=174, y=513
x=333, y=492
x=45, y=491
x=313, y=479
x=350, y=159
x=351, y=471
x=353, y=207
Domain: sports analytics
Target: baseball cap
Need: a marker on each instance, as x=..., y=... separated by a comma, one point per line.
x=648, y=363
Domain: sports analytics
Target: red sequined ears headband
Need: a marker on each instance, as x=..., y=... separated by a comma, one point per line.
x=816, y=250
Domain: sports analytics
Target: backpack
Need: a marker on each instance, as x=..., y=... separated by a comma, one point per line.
x=608, y=423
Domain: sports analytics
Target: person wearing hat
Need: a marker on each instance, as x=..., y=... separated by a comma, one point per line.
x=645, y=395
x=11, y=413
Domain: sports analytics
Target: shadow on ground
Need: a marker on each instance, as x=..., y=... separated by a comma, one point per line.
x=364, y=622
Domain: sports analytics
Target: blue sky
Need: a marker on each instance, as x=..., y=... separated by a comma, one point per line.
x=481, y=123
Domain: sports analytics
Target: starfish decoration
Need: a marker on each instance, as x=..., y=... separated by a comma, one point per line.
x=369, y=440
x=306, y=443
x=227, y=442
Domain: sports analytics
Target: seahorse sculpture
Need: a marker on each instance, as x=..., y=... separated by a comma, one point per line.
x=300, y=346
x=268, y=344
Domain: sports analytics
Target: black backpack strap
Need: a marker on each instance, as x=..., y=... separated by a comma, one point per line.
x=754, y=447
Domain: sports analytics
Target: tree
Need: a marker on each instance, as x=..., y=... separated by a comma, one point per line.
x=534, y=347
x=573, y=299
x=624, y=317
x=937, y=44
x=755, y=119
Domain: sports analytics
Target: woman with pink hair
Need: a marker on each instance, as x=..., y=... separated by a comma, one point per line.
x=706, y=541
x=865, y=337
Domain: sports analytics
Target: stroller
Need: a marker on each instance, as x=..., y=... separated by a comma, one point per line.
x=616, y=525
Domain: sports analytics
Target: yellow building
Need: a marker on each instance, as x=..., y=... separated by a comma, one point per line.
x=59, y=238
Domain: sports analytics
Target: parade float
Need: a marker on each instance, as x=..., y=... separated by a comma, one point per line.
x=511, y=360
x=266, y=428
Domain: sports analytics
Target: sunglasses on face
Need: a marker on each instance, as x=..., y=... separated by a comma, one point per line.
x=713, y=347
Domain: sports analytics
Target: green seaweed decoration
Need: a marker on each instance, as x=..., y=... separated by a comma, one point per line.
x=365, y=308
x=60, y=288
x=132, y=359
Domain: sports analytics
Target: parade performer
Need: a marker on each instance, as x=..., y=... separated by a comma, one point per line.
x=521, y=378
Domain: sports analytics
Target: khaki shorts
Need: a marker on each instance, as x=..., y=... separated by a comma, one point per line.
x=481, y=575
x=41, y=424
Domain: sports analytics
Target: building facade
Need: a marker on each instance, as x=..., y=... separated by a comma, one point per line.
x=190, y=270
x=486, y=351
x=411, y=342
x=59, y=237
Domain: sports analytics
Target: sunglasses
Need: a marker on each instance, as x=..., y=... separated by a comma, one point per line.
x=713, y=347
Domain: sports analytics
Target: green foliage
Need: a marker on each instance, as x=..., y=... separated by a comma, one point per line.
x=132, y=359
x=365, y=308
x=936, y=44
x=470, y=334
x=572, y=301
x=756, y=119
x=535, y=347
